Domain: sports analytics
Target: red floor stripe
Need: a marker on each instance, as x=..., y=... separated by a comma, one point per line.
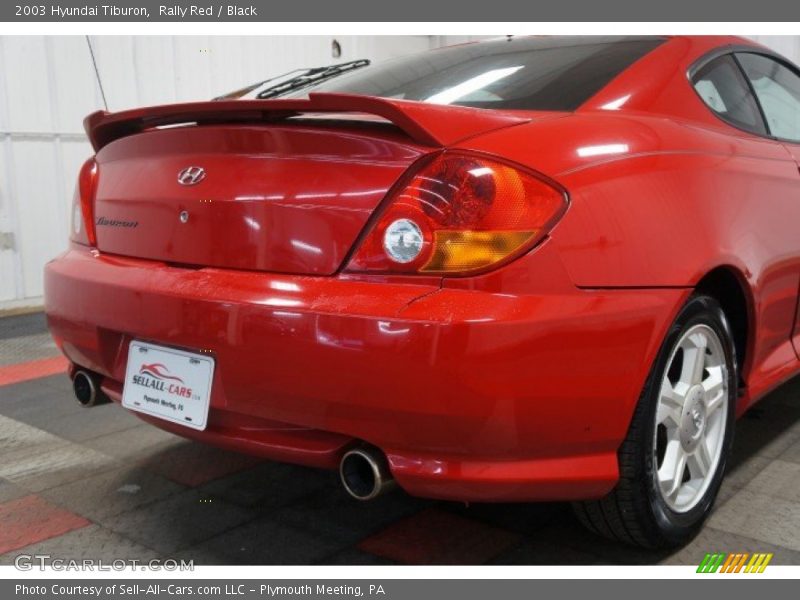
x=32, y=519
x=32, y=370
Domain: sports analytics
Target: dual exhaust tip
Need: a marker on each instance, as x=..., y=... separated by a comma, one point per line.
x=86, y=387
x=365, y=473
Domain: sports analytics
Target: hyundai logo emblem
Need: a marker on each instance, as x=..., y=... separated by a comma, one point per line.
x=191, y=175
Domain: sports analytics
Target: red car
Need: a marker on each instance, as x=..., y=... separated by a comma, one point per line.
x=517, y=270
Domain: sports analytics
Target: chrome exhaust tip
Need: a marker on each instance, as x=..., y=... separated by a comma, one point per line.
x=86, y=388
x=365, y=474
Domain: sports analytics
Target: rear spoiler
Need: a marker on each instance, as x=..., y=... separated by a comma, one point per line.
x=427, y=124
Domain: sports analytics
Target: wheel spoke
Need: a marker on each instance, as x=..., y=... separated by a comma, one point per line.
x=714, y=389
x=694, y=359
x=670, y=405
x=670, y=475
x=699, y=461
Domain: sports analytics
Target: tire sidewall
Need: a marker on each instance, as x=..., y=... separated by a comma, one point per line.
x=678, y=527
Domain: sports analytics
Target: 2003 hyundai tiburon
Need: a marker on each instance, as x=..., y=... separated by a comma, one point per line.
x=518, y=270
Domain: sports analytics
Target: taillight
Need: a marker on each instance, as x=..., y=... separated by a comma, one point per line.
x=83, y=231
x=460, y=213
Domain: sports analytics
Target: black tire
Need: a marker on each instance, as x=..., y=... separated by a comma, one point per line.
x=635, y=511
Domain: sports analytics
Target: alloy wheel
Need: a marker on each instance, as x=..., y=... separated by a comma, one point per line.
x=691, y=418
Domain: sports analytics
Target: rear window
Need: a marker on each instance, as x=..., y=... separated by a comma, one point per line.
x=516, y=73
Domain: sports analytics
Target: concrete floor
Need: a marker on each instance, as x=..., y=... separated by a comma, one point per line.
x=98, y=483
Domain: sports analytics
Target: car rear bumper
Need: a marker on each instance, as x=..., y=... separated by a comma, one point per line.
x=472, y=395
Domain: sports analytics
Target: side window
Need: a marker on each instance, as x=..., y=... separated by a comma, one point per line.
x=778, y=90
x=724, y=89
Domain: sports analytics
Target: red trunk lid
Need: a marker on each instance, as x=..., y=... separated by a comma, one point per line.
x=280, y=193
x=279, y=198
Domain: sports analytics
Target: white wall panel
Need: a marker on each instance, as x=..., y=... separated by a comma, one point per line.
x=27, y=84
x=5, y=124
x=155, y=65
x=192, y=68
x=118, y=70
x=76, y=90
x=788, y=45
x=10, y=264
x=40, y=234
x=8, y=274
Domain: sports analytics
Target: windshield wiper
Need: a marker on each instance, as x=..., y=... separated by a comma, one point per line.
x=310, y=77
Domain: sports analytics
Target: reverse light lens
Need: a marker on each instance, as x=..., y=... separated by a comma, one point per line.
x=77, y=218
x=460, y=214
x=402, y=241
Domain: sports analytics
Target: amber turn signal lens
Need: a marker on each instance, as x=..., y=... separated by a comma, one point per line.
x=455, y=251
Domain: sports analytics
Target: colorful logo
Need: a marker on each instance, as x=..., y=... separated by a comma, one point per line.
x=741, y=562
x=158, y=371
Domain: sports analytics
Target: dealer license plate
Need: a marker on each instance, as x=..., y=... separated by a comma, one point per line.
x=169, y=384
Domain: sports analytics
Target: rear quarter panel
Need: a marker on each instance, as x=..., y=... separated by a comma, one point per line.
x=659, y=202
